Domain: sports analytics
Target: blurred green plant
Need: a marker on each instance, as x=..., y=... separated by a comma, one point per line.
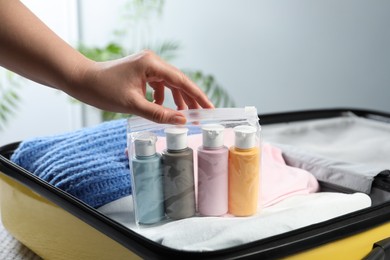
x=9, y=97
x=136, y=11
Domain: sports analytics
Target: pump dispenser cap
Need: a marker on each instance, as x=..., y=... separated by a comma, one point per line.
x=145, y=144
x=176, y=138
x=245, y=136
x=212, y=135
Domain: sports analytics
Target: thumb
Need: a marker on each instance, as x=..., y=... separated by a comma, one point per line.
x=160, y=114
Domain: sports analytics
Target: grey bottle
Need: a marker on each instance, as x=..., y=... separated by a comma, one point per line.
x=148, y=180
x=178, y=170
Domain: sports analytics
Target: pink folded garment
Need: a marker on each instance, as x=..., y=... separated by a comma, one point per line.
x=278, y=180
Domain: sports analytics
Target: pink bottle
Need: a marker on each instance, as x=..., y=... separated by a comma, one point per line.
x=213, y=172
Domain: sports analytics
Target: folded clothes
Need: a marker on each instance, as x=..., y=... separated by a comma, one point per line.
x=213, y=233
x=349, y=139
x=356, y=177
x=279, y=180
x=347, y=151
x=91, y=165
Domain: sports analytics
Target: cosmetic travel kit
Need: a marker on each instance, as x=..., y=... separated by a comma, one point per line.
x=208, y=167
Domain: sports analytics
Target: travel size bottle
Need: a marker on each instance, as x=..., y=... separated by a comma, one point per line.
x=148, y=180
x=213, y=172
x=178, y=170
x=244, y=163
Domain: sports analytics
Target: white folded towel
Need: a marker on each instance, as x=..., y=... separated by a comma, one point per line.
x=212, y=233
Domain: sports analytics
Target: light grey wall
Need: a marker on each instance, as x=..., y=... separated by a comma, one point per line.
x=44, y=111
x=276, y=55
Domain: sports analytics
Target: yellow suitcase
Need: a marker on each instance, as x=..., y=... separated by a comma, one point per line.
x=56, y=225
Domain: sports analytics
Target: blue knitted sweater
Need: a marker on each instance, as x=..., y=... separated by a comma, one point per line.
x=89, y=163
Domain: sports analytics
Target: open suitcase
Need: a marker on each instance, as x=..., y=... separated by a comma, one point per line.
x=57, y=225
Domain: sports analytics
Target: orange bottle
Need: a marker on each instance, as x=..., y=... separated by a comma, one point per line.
x=244, y=166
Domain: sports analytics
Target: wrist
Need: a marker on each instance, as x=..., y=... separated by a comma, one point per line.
x=74, y=79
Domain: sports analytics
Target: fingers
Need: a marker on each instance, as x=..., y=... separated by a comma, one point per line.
x=192, y=94
x=192, y=104
x=158, y=113
x=158, y=70
x=159, y=75
x=159, y=90
x=181, y=99
x=178, y=98
x=158, y=96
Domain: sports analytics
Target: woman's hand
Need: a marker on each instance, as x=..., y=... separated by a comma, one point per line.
x=120, y=86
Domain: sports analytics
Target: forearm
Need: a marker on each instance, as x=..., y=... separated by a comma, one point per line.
x=29, y=48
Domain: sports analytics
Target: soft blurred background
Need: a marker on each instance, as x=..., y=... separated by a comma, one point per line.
x=276, y=55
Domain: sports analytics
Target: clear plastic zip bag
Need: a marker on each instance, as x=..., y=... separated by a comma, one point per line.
x=208, y=167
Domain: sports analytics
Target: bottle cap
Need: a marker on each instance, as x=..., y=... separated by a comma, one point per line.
x=145, y=144
x=212, y=135
x=176, y=138
x=245, y=136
